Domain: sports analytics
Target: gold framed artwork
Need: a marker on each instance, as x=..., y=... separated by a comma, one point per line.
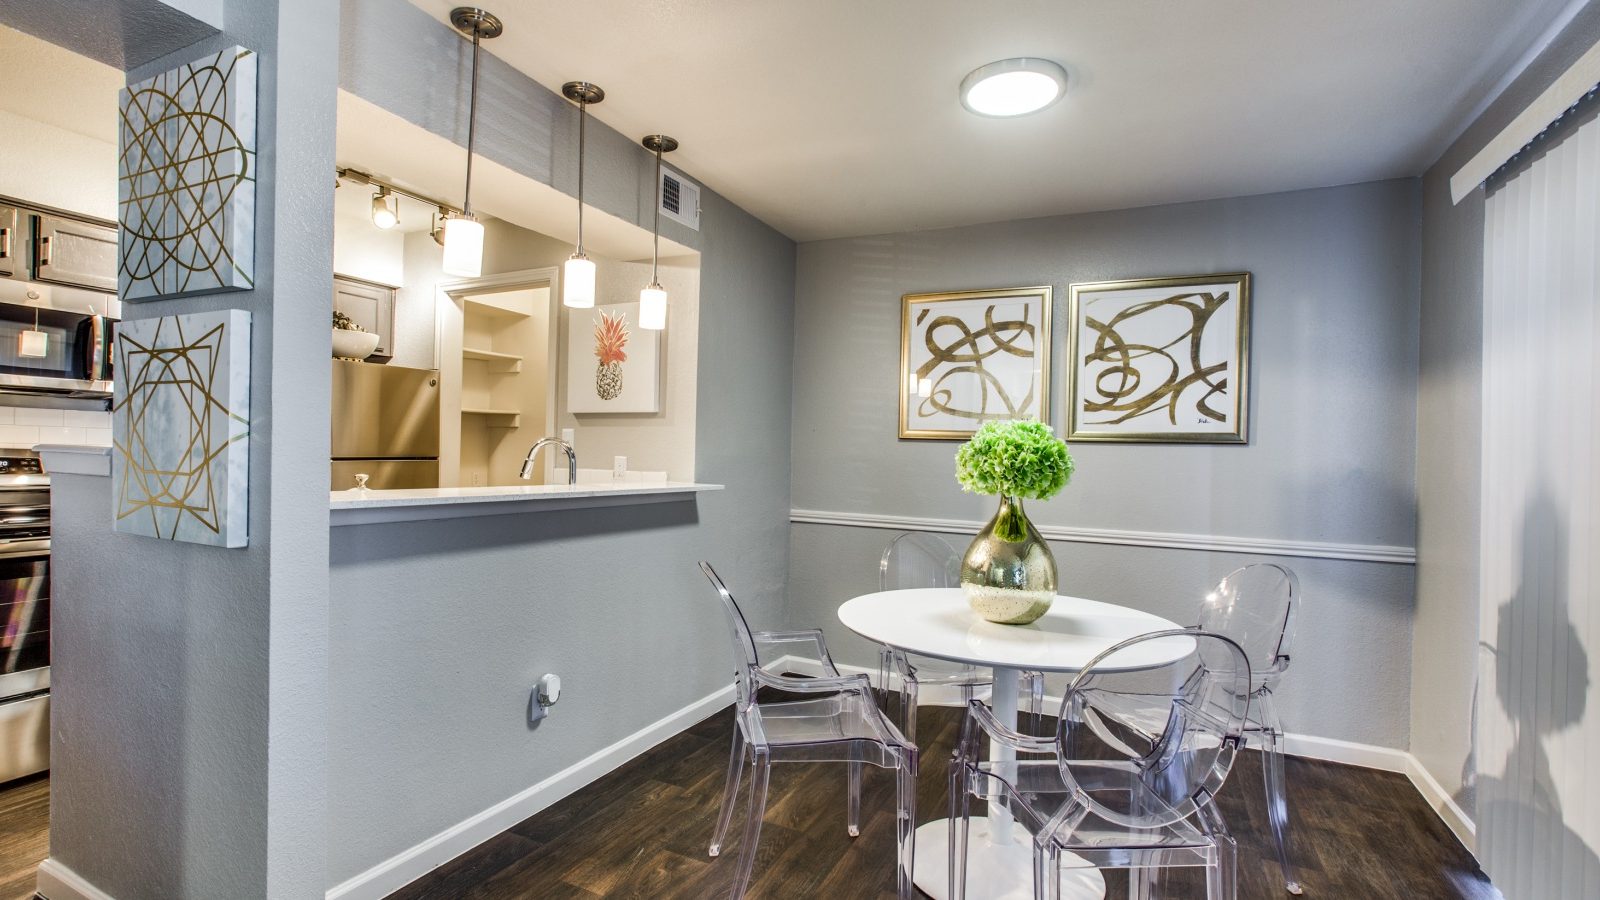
x=972, y=356
x=1160, y=359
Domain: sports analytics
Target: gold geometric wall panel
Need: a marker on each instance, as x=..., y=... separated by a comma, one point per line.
x=180, y=428
x=186, y=179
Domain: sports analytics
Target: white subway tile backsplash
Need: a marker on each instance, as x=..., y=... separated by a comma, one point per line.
x=26, y=416
x=78, y=418
x=6, y=416
x=61, y=434
x=98, y=437
x=18, y=437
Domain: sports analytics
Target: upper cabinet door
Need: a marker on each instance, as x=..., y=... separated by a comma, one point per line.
x=370, y=306
x=11, y=242
x=80, y=254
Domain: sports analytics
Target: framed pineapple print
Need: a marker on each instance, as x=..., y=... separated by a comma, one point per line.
x=973, y=356
x=1161, y=359
x=613, y=365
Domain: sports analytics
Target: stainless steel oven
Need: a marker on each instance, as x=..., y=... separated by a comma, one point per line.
x=24, y=616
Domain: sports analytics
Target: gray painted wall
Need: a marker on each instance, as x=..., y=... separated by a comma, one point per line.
x=433, y=658
x=190, y=702
x=1331, y=454
x=1449, y=441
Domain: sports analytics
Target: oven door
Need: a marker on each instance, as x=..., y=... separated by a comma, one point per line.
x=24, y=616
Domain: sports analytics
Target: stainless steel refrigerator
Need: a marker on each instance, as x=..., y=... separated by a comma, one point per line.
x=385, y=426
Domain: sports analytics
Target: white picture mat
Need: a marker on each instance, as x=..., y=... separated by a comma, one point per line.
x=946, y=385
x=1219, y=344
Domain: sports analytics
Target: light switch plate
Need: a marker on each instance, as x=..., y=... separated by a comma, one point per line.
x=619, y=467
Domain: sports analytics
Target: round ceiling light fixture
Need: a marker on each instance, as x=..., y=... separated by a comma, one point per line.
x=1013, y=87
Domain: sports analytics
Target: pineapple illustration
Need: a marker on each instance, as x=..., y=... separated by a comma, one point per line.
x=610, y=336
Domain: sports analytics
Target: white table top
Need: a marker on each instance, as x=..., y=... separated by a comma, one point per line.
x=937, y=622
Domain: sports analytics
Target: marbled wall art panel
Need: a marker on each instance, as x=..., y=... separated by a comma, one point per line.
x=186, y=198
x=180, y=427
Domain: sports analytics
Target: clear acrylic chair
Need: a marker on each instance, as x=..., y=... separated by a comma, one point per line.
x=1255, y=606
x=837, y=722
x=916, y=559
x=1109, y=791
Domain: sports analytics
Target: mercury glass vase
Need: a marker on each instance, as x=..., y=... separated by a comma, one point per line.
x=1008, y=573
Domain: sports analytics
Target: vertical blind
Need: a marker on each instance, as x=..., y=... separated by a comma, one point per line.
x=1538, y=745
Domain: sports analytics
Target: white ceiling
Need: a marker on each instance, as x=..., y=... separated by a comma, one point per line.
x=829, y=118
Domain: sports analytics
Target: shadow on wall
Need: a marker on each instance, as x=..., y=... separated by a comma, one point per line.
x=1519, y=811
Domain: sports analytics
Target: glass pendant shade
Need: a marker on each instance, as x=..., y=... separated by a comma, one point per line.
x=653, y=308
x=577, y=282
x=463, y=246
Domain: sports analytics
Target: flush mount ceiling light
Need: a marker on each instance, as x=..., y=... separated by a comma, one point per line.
x=385, y=215
x=463, y=233
x=577, y=273
x=653, y=299
x=1013, y=87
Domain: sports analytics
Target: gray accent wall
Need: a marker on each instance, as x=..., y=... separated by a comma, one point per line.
x=1332, y=433
x=189, y=703
x=1449, y=432
x=441, y=628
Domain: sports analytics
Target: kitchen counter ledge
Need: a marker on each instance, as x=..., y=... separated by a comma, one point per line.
x=369, y=507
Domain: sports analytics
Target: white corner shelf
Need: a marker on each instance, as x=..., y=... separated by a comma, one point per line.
x=497, y=418
x=508, y=363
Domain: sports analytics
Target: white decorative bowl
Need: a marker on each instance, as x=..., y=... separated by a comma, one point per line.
x=353, y=344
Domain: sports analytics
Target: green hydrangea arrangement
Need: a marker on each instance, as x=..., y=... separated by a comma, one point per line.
x=1017, y=459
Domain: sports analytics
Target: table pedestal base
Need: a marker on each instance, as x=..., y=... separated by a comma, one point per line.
x=994, y=871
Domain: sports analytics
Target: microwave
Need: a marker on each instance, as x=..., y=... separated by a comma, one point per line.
x=71, y=360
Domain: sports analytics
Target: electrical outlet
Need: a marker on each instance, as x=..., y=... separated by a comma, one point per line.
x=477, y=479
x=619, y=466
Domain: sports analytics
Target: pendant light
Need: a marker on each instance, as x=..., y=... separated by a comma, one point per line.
x=577, y=274
x=653, y=299
x=463, y=233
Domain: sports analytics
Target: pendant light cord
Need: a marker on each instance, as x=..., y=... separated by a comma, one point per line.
x=655, y=255
x=472, y=121
x=583, y=117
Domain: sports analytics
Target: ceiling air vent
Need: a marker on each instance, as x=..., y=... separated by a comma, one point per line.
x=680, y=199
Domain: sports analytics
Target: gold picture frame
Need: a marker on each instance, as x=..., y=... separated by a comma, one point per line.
x=1109, y=398
x=986, y=355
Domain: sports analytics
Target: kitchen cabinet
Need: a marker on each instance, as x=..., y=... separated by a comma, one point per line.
x=71, y=252
x=11, y=242
x=369, y=305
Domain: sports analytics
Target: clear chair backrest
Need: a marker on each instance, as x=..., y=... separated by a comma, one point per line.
x=1149, y=728
x=917, y=559
x=1255, y=606
x=744, y=644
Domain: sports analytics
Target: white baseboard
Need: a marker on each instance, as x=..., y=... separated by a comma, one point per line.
x=1306, y=746
x=409, y=865
x=1444, y=806
x=57, y=882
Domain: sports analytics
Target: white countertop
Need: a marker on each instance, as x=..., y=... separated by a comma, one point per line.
x=358, y=507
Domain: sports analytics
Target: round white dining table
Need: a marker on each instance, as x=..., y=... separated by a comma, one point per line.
x=937, y=622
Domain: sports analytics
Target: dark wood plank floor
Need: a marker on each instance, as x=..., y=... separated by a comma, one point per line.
x=641, y=832
x=24, y=834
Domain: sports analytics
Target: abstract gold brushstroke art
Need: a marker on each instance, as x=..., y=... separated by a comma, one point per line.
x=181, y=428
x=186, y=179
x=973, y=356
x=1161, y=359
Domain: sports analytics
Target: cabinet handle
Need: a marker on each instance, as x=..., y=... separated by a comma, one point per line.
x=5, y=243
x=44, y=251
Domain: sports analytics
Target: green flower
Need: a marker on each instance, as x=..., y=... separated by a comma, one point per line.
x=1018, y=459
